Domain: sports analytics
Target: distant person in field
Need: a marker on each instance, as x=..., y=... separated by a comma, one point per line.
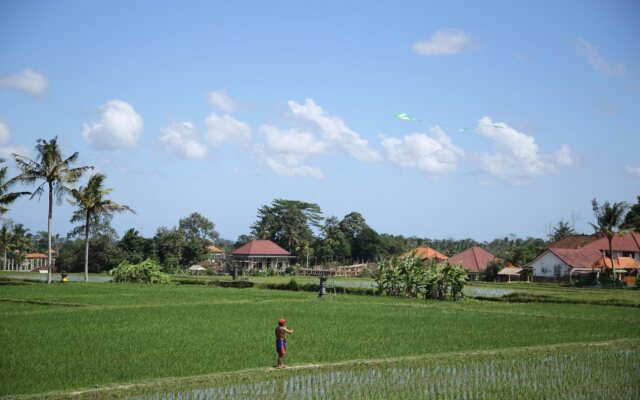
x=281, y=342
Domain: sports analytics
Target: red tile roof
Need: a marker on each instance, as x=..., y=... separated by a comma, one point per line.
x=214, y=249
x=628, y=242
x=577, y=258
x=572, y=242
x=619, y=263
x=473, y=259
x=260, y=248
x=425, y=253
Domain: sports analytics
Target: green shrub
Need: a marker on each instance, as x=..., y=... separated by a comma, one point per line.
x=147, y=271
x=235, y=284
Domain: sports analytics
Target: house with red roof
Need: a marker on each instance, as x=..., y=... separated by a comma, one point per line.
x=624, y=245
x=474, y=260
x=261, y=255
x=557, y=264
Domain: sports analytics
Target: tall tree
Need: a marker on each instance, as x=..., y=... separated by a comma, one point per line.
x=7, y=197
x=56, y=174
x=561, y=230
x=5, y=243
x=197, y=226
x=609, y=217
x=288, y=223
x=168, y=245
x=135, y=247
x=199, y=232
x=92, y=204
x=20, y=242
x=632, y=219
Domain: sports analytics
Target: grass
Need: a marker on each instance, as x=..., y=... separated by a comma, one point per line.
x=74, y=336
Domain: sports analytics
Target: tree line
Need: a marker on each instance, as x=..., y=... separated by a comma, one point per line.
x=297, y=226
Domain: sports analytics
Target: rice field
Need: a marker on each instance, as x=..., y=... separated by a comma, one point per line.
x=60, y=339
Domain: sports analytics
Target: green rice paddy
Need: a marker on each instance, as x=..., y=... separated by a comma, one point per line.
x=74, y=337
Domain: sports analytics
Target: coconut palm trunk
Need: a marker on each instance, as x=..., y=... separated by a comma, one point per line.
x=49, y=219
x=86, y=249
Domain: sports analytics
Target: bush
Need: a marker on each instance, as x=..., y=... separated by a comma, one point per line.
x=235, y=284
x=147, y=271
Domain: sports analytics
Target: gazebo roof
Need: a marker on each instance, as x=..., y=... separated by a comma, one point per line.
x=618, y=263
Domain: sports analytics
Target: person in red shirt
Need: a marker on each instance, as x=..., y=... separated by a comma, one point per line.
x=281, y=342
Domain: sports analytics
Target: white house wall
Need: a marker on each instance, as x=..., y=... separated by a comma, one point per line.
x=545, y=266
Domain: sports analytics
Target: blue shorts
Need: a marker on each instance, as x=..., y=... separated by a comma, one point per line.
x=281, y=346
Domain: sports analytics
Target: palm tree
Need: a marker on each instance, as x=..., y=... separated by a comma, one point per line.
x=6, y=197
x=5, y=242
x=55, y=172
x=608, y=218
x=20, y=242
x=92, y=204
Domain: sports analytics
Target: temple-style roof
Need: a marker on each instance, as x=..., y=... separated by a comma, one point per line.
x=214, y=249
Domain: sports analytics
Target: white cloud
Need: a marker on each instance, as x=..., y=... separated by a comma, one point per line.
x=516, y=156
x=29, y=81
x=6, y=149
x=633, y=171
x=289, y=164
x=119, y=126
x=444, y=42
x=226, y=129
x=286, y=151
x=334, y=131
x=291, y=141
x=595, y=60
x=5, y=134
x=433, y=154
x=221, y=99
x=182, y=140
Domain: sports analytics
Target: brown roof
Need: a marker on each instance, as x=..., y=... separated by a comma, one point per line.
x=572, y=242
x=260, y=248
x=214, y=249
x=36, y=255
x=619, y=263
x=473, y=259
x=425, y=253
x=577, y=258
x=628, y=242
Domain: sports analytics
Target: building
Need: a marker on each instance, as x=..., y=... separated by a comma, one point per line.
x=556, y=264
x=260, y=255
x=572, y=242
x=426, y=253
x=215, y=254
x=474, y=260
x=627, y=245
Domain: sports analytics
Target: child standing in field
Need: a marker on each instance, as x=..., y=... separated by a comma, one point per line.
x=281, y=342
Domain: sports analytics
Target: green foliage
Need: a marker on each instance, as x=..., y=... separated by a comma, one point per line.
x=444, y=281
x=490, y=274
x=147, y=271
x=134, y=247
x=7, y=197
x=288, y=223
x=561, y=230
x=239, y=284
x=632, y=219
x=409, y=277
x=168, y=245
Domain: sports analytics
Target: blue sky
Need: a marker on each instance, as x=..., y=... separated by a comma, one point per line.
x=220, y=108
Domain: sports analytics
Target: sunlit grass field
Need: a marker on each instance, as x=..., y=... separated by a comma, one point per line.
x=67, y=337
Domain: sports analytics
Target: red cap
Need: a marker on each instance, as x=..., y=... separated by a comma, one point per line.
x=281, y=322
